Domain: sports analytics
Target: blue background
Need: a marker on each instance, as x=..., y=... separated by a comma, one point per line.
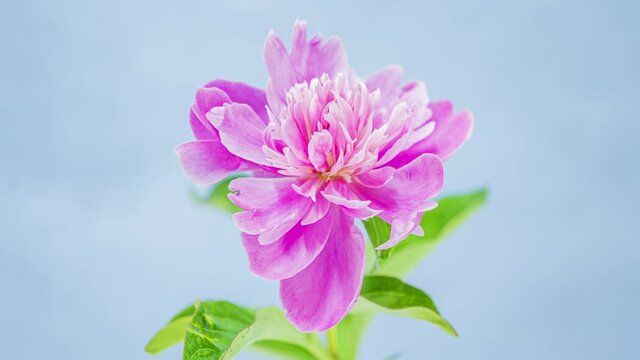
x=100, y=243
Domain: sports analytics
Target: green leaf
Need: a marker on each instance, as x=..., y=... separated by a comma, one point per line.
x=437, y=223
x=217, y=196
x=393, y=296
x=186, y=312
x=281, y=350
x=214, y=326
x=379, y=232
x=219, y=330
x=171, y=334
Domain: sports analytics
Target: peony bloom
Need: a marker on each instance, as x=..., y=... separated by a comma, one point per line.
x=324, y=148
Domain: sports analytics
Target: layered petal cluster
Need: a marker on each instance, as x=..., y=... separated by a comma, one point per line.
x=324, y=148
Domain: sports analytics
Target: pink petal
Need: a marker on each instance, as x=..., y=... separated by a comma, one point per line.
x=252, y=193
x=217, y=93
x=318, y=297
x=241, y=132
x=329, y=57
x=415, y=92
x=280, y=68
x=206, y=98
x=245, y=94
x=275, y=98
x=206, y=161
x=451, y=132
x=312, y=57
x=202, y=131
x=406, y=196
x=317, y=211
x=309, y=187
x=362, y=214
x=294, y=139
x=320, y=144
x=216, y=116
x=273, y=207
x=339, y=193
x=293, y=252
x=308, y=59
x=298, y=45
x=387, y=80
x=377, y=177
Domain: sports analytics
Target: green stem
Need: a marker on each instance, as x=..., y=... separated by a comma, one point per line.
x=344, y=339
x=332, y=344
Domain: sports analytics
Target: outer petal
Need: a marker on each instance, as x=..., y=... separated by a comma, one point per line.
x=275, y=98
x=406, y=196
x=206, y=99
x=219, y=92
x=299, y=48
x=319, y=296
x=207, y=161
x=291, y=253
x=312, y=57
x=451, y=132
x=415, y=92
x=387, y=80
x=279, y=66
x=273, y=207
x=307, y=59
x=241, y=132
x=202, y=131
x=245, y=94
x=329, y=58
x=253, y=193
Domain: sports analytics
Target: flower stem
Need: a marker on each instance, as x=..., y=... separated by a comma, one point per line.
x=344, y=339
x=332, y=343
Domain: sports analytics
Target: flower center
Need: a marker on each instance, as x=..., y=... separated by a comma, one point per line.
x=325, y=129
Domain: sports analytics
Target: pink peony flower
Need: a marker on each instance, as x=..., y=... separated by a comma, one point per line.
x=324, y=148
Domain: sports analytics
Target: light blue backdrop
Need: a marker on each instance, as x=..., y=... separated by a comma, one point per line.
x=100, y=243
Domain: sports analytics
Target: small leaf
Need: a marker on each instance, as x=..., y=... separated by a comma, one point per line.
x=379, y=232
x=281, y=350
x=219, y=330
x=213, y=327
x=186, y=312
x=217, y=196
x=171, y=334
x=393, y=296
x=437, y=223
